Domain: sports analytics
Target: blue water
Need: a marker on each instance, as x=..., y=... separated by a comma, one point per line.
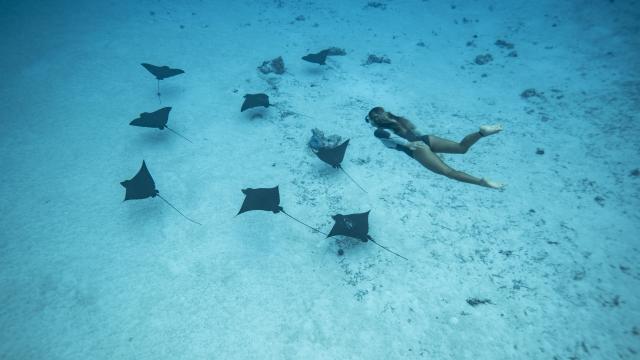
x=546, y=268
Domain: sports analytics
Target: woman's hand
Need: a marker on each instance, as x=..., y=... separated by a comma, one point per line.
x=415, y=145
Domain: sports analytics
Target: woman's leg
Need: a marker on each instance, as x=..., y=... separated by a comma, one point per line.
x=431, y=161
x=440, y=145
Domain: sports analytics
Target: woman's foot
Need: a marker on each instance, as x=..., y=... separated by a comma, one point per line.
x=486, y=130
x=492, y=184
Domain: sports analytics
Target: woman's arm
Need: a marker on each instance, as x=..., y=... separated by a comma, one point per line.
x=392, y=143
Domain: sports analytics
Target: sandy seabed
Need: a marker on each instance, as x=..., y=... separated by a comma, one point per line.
x=547, y=269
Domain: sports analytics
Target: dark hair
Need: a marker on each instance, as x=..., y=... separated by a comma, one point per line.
x=375, y=110
x=396, y=125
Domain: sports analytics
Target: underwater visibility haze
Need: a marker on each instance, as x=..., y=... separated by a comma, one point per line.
x=279, y=179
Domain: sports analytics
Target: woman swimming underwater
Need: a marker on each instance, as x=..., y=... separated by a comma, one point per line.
x=423, y=148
